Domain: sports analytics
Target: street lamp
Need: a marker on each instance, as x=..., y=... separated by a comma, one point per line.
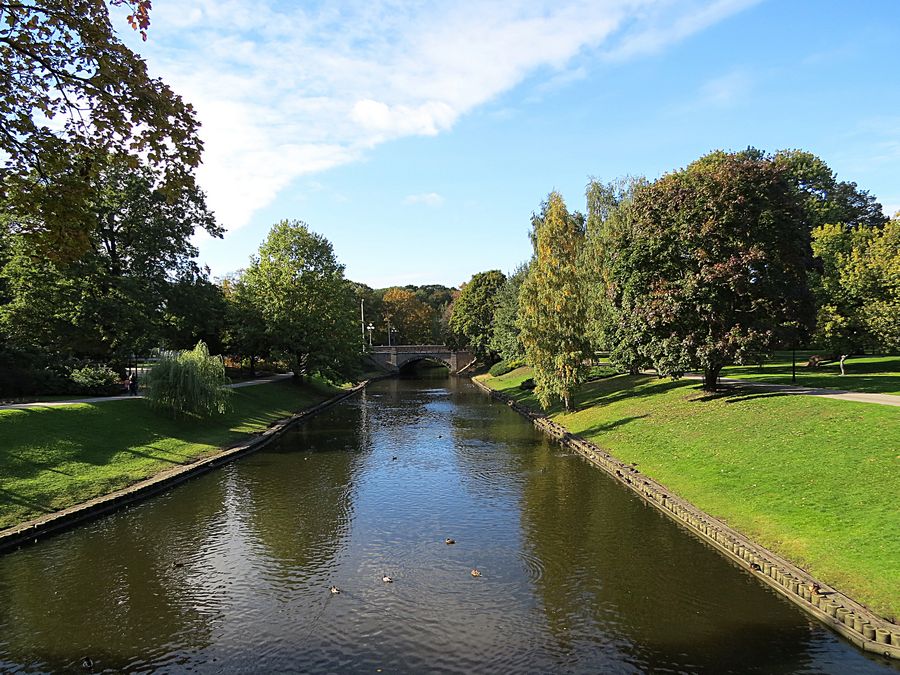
x=370, y=328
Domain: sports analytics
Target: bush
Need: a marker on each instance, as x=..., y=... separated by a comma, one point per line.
x=189, y=383
x=96, y=380
x=504, y=367
x=527, y=385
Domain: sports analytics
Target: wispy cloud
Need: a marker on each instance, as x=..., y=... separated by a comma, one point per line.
x=427, y=198
x=285, y=91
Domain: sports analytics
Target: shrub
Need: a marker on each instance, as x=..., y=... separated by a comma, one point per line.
x=504, y=367
x=96, y=380
x=189, y=383
x=527, y=385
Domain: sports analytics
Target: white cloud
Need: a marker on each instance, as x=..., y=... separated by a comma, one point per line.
x=284, y=92
x=427, y=198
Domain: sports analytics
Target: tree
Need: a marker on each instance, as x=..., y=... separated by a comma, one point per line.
x=194, y=312
x=551, y=306
x=189, y=382
x=824, y=197
x=473, y=311
x=858, y=287
x=110, y=300
x=245, y=333
x=308, y=307
x=714, y=269
x=71, y=94
x=411, y=317
x=505, y=333
x=609, y=223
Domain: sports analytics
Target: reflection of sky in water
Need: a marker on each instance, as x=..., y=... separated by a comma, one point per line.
x=230, y=572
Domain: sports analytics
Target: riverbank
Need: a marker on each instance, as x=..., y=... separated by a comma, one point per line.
x=57, y=457
x=814, y=480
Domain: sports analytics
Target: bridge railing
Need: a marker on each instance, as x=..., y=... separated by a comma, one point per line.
x=412, y=349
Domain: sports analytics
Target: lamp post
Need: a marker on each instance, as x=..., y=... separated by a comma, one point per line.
x=370, y=328
x=389, y=329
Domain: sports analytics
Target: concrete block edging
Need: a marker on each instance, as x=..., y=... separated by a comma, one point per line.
x=32, y=531
x=836, y=610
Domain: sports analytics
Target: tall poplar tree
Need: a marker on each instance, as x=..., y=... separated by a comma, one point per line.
x=551, y=305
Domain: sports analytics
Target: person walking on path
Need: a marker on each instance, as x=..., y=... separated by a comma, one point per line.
x=133, y=384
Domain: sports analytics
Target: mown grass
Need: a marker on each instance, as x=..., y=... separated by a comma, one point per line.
x=52, y=458
x=870, y=374
x=813, y=479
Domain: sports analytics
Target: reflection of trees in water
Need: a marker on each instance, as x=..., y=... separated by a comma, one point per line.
x=113, y=590
x=613, y=567
x=299, y=503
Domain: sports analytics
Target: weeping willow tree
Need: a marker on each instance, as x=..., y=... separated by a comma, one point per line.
x=189, y=382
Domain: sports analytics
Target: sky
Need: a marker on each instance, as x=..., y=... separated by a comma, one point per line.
x=419, y=137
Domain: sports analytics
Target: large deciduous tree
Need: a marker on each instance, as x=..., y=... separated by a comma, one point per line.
x=609, y=223
x=71, y=94
x=505, y=333
x=473, y=311
x=409, y=316
x=713, y=270
x=308, y=306
x=109, y=301
x=552, y=307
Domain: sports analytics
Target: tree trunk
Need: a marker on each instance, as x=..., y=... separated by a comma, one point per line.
x=711, y=378
x=252, y=366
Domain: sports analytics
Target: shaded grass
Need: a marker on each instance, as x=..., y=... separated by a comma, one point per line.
x=814, y=479
x=871, y=374
x=52, y=458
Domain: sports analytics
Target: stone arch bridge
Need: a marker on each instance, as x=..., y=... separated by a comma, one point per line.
x=396, y=356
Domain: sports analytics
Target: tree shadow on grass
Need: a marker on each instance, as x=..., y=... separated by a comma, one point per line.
x=738, y=394
x=609, y=426
x=11, y=498
x=632, y=387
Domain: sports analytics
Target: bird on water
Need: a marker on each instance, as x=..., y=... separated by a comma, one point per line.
x=334, y=590
x=475, y=573
x=386, y=579
x=449, y=541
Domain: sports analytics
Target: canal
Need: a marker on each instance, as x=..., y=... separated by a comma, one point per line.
x=231, y=572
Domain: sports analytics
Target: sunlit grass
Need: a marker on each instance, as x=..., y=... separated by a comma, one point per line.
x=52, y=458
x=813, y=479
x=871, y=374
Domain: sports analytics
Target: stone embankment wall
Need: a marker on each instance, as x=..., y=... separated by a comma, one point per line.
x=841, y=613
x=33, y=530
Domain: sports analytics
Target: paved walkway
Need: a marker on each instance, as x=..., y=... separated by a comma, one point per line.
x=125, y=397
x=840, y=394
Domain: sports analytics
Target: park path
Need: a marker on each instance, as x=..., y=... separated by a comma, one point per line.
x=840, y=394
x=125, y=397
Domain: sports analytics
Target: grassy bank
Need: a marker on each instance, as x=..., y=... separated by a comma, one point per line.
x=52, y=458
x=870, y=374
x=813, y=479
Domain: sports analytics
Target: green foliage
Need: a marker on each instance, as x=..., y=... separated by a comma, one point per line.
x=112, y=300
x=504, y=367
x=610, y=222
x=189, y=383
x=473, y=311
x=73, y=93
x=505, y=334
x=309, y=310
x=409, y=316
x=858, y=287
x=96, y=380
x=551, y=305
x=712, y=269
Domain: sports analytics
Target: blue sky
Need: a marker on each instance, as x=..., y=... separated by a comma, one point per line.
x=419, y=137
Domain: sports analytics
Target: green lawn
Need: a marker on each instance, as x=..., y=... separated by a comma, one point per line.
x=52, y=458
x=872, y=374
x=816, y=480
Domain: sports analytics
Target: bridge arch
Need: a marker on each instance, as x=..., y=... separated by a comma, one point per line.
x=425, y=357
